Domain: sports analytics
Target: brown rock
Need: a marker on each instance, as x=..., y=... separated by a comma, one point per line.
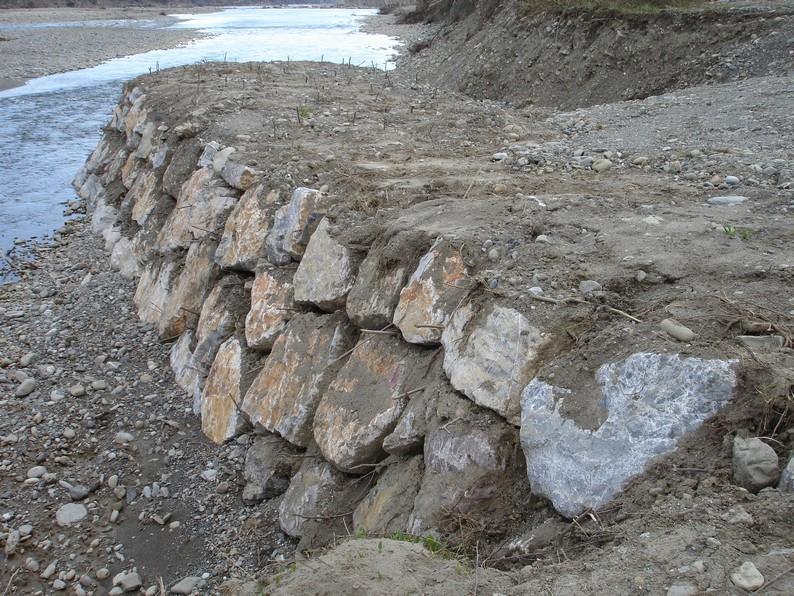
x=237, y=175
x=272, y=306
x=284, y=397
x=364, y=402
x=243, y=241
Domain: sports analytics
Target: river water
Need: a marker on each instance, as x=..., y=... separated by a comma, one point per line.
x=49, y=125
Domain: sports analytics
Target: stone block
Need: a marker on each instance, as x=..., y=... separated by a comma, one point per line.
x=489, y=356
x=326, y=272
x=227, y=382
x=437, y=287
x=270, y=464
x=186, y=297
x=243, y=241
x=386, y=508
x=201, y=210
x=293, y=225
x=650, y=402
x=284, y=396
x=272, y=306
x=364, y=402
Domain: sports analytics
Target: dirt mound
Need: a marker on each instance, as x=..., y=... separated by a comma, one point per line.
x=580, y=58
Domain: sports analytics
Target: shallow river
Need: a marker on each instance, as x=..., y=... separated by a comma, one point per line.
x=49, y=125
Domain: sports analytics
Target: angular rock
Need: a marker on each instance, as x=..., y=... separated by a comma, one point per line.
x=409, y=434
x=747, y=577
x=383, y=273
x=123, y=260
x=181, y=166
x=489, y=356
x=326, y=272
x=237, y=175
x=362, y=405
x=437, y=287
x=144, y=243
x=186, y=585
x=226, y=384
x=143, y=196
x=284, y=397
x=154, y=288
x=386, y=508
x=131, y=170
x=272, y=306
x=755, y=464
x=270, y=463
x=201, y=210
x=243, y=241
x=316, y=490
x=465, y=462
x=650, y=400
x=293, y=225
x=182, y=307
x=787, y=477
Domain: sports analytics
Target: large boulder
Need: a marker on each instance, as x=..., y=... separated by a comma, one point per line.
x=272, y=306
x=386, y=508
x=243, y=241
x=154, y=288
x=649, y=401
x=755, y=464
x=293, y=225
x=316, y=491
x=364, y=402
x=466, y=455
x=381, y=276
x=437, y=288
x=489, y=356
x=182, y=164
x=226, y=384
x=182, y=307
x=326, y=272
x=285, y=394
x=270, y=463
x=204, y=203
x=142, y=197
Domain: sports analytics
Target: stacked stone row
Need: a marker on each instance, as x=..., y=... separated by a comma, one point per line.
x=381, y=361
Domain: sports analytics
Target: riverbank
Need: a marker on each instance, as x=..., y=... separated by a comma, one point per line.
x=88, y=37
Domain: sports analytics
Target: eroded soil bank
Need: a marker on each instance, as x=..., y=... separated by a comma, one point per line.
x=368, y=287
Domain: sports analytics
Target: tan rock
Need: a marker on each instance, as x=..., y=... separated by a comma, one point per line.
x=123, y=260
x=326, y=272
x=272, y=306
x=243, y=241
x=437, y=287
x=131, y=169
x=143, y=196
x=238, y=175
x=364, y=402
x=183, y=305
x=490, y=356
x=293, y=225
x=221, y=417
x=153, y=289
x=386, y=508
x=201, y=210
x=306, y=356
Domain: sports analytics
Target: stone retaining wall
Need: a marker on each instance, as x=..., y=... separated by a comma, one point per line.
x=392, y=360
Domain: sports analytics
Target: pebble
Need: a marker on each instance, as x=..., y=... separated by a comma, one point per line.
x=727, y=200
x=747, y=577
x=68, y=433
x=602, y=165
x=102, y=573
x=675, y=329
x=49, y=570
x=501, y=156
x=77, y=390
x=12, y=541
x=128, y=581
x=59, y=585
x=731, y=180
x=589, y=286
x=123, y=437
x=36, y=472
x=26, y=387
x=70, y=513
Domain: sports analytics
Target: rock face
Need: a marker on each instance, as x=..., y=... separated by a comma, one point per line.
x=437, y=287
x=465, y=463
x=381, y=276
x=326, y=272
x=651, y=401
x=386, y=507
x=293, y=225
x=364, y=402
x=284, y=397
x=270, y=463
x=489, y=356
x=272, y=306
x=243, y=239
x=313, y=492
x=227, y=381
x=755, y=464
x=201, y=210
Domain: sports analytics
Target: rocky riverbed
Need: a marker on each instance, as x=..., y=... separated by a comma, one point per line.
x=394, y=307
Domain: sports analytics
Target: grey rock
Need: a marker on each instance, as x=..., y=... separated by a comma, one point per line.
x=675, y=329
x=732, y=180
x=727, y=200
x=386, y=507
x=787, y=477
x=293, y=225
x=270, y=463
x=589, y=286
x=755, y=464
x=747, y=577
x=12, y=541
x=762, y=342
x=26, y=387
x=602, y=165
x=129, y=581
x=682, y=590
x=70, y=513
x=651, y=401
x=185, y=585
